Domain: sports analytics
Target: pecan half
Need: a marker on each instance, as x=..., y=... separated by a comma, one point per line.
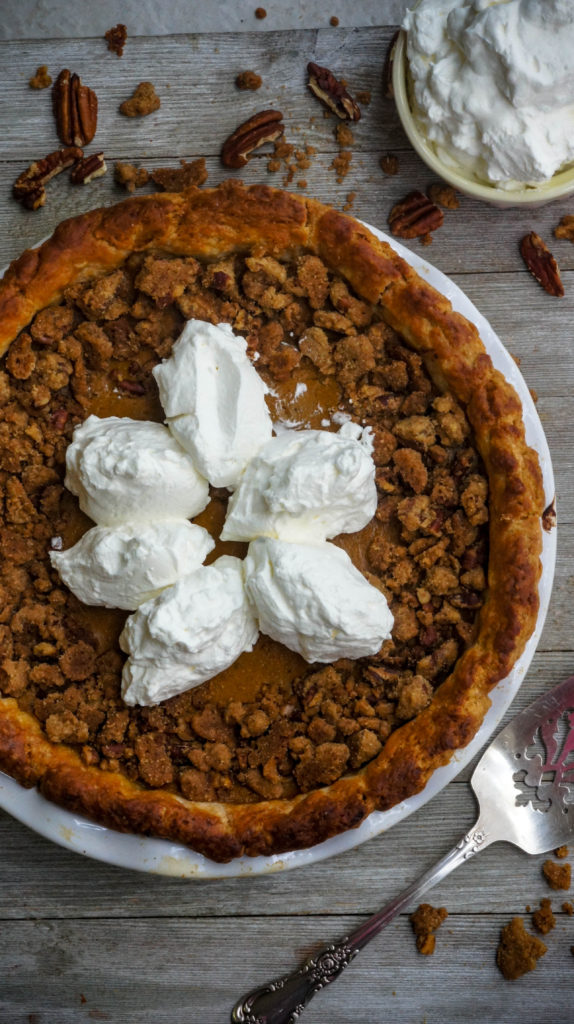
x=332, y=93
x=541, y=264
x=75, y=109
x=29, y=189
x=86, y=170
x=415, y=215
x=388, y=91
x=266, y=126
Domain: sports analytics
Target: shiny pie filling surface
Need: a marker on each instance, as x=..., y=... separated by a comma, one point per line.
x=271, y=726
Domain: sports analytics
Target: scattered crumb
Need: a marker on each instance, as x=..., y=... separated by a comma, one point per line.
x=561, y=852
x=260, y=13
x=557, y=875
x=426, y=239
x=130, y=176
x=516, y=359
x=176, y=179
x=344, y=135
x=565, y=228
x=543, y=919
x=341, y=164
x=444, y=195
x=533, y=395
x=116, y=39
x=389, y=163
x=568, y=908
x=273, y=166
x=518, y=952
x=425, y=922
x=364, y=97
x=248, y=80
x=302, y=160
x=351, y=196
x=333, y=20
x=41, y=80
x=310, y=150
x=143, y=101
x=302, y=183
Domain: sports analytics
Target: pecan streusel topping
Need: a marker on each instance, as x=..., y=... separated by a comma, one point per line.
x=294, y=728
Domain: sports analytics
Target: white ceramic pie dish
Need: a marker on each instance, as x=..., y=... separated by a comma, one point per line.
x=159, y=856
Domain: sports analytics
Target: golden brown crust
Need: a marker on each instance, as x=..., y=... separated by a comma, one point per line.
x=211, y=223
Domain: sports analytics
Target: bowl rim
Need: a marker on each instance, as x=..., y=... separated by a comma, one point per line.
x=557, y=187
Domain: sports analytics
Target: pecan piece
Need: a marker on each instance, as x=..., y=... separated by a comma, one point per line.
x=415, y=215
x=541, y=264
x=266, y=126
x=332, y=93
x=88, y=168
x=75, y=109
x=388, y=91
x=29, y=189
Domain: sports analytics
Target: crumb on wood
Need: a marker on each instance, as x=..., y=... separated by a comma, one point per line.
x=543, y=919
x=561, y=852
x=389, y=163
x=351, y=196
x=364, y=97
x=558, y=876
x=444, y=195
x=565, y=228
x=334, y=21
x=426, y=239
x=344, y=135
x=518, y=952
x=41, y=80
x=143, y=101
x=568, y=908
x=341, y=164
x=176, y=179
x=129, y=176
x=260, y=13
x=302, y=183
x=248, y=80
x=116, y=39
x=425, y=921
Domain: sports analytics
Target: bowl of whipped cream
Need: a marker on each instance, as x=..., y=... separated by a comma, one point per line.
x=485, y=93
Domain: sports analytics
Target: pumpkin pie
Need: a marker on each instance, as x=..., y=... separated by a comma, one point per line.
x=273, y=754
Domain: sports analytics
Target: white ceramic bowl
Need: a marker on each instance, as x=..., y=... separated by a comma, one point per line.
x=557, y=187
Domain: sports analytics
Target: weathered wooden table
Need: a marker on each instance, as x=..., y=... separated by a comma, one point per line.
x=85, y=941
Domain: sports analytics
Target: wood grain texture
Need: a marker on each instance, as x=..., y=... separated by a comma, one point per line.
x=141, y=949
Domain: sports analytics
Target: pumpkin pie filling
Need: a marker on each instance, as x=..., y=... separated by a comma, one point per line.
x=271, y=726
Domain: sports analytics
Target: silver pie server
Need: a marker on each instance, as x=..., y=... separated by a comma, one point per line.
x=524, y=784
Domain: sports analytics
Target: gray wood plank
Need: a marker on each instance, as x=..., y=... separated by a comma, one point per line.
x=146, y=971
x=201, y=106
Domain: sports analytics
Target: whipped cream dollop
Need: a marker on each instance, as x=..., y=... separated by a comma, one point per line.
x=124, y=566
x=214, y=401
x=305, y=485
x=188, y=634
x=311, y=598
x=493, y=85
x=125, y=470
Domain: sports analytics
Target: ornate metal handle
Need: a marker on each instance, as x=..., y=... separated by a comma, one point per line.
x=282, y=1001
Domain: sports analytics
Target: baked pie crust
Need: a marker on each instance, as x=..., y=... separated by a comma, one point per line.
x=208, y=225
